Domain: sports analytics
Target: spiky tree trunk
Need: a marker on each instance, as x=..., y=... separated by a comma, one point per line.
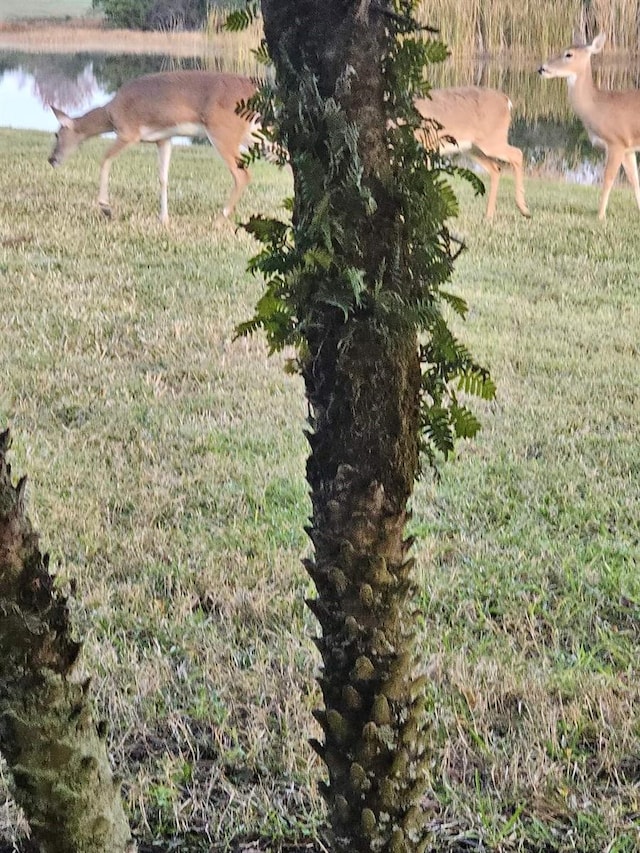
x=48, y=735
x=362, y=379
x=374, y=712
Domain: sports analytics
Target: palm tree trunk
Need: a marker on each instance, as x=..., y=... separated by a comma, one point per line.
x=362, y=380
x=54, y=747
x=374, y=707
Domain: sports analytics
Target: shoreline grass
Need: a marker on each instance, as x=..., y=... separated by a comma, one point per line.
x=166, y=472
x=39, y=38
x=473, y=28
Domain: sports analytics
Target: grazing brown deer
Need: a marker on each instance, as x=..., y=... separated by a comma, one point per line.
x=474, y=120
x=156, y=107
x=611, y=118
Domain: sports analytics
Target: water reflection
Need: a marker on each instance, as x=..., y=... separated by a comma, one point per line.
x=552, y=139
x=25, y=98
x=30, y=83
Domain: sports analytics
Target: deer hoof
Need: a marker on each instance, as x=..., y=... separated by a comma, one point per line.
x=105, y=209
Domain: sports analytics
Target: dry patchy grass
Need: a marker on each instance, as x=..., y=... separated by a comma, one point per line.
x=187, y=516
x=166, y=464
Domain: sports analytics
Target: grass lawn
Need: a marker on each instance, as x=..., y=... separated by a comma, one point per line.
x=166, y=470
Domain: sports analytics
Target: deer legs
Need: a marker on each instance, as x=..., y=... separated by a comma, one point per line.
x=512, y=156
x=241, y=176
x=164, y=159
x=103, y=194
x=630, y=165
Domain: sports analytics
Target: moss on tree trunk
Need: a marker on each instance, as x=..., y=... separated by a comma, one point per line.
x=54, y=747
x=362, y=381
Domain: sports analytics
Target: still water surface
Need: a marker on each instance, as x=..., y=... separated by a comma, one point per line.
x=552, y=139
x=22, y=104
x=30, y=83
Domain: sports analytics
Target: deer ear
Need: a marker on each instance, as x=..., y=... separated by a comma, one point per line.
x=598, y=43
x=63, y=118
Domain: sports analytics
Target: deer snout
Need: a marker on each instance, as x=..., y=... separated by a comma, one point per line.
x=543, y=71
x=53, y=161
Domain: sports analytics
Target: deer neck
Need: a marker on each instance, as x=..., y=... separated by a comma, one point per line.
x=93, y=123
x=581, y=92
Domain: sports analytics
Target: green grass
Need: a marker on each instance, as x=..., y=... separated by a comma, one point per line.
x=531, y=594
x=14, y=9
x=166, y=471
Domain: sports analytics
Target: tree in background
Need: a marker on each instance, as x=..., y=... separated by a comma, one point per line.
x=158, y=14
x=177, y=14
x=54, y=747
x=125, y=14
x=355, y=283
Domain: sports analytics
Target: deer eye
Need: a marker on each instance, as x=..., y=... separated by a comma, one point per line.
x=568, y=54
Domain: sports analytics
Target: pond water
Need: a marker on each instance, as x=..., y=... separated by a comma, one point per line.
x=31, y=83
x=24, y=105
x=552, y=139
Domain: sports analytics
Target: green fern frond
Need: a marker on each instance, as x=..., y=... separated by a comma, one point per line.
x=356, y=284
x=266, y=230
x=476, y=182
x=262, y=54
x=438, y=429
x=241, y=19
x=477, y=382
x=465, y=423
x=246, y=109
x=317, y=258
x=253, y=154
x=314, y=265
x=456, y=302
x=435, y=51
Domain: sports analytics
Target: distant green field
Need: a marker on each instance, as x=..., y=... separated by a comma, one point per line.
x=43, y=9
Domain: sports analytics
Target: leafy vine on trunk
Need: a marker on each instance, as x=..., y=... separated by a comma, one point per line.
x=355, y=282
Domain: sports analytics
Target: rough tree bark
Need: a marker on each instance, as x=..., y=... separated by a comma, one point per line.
x=362, y=382
x=48, y=735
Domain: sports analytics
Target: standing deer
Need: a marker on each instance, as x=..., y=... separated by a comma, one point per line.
x=156, y=107
x=476, y=121
x=611, y=118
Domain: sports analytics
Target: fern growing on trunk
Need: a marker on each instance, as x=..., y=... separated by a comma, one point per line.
x=355, y=283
